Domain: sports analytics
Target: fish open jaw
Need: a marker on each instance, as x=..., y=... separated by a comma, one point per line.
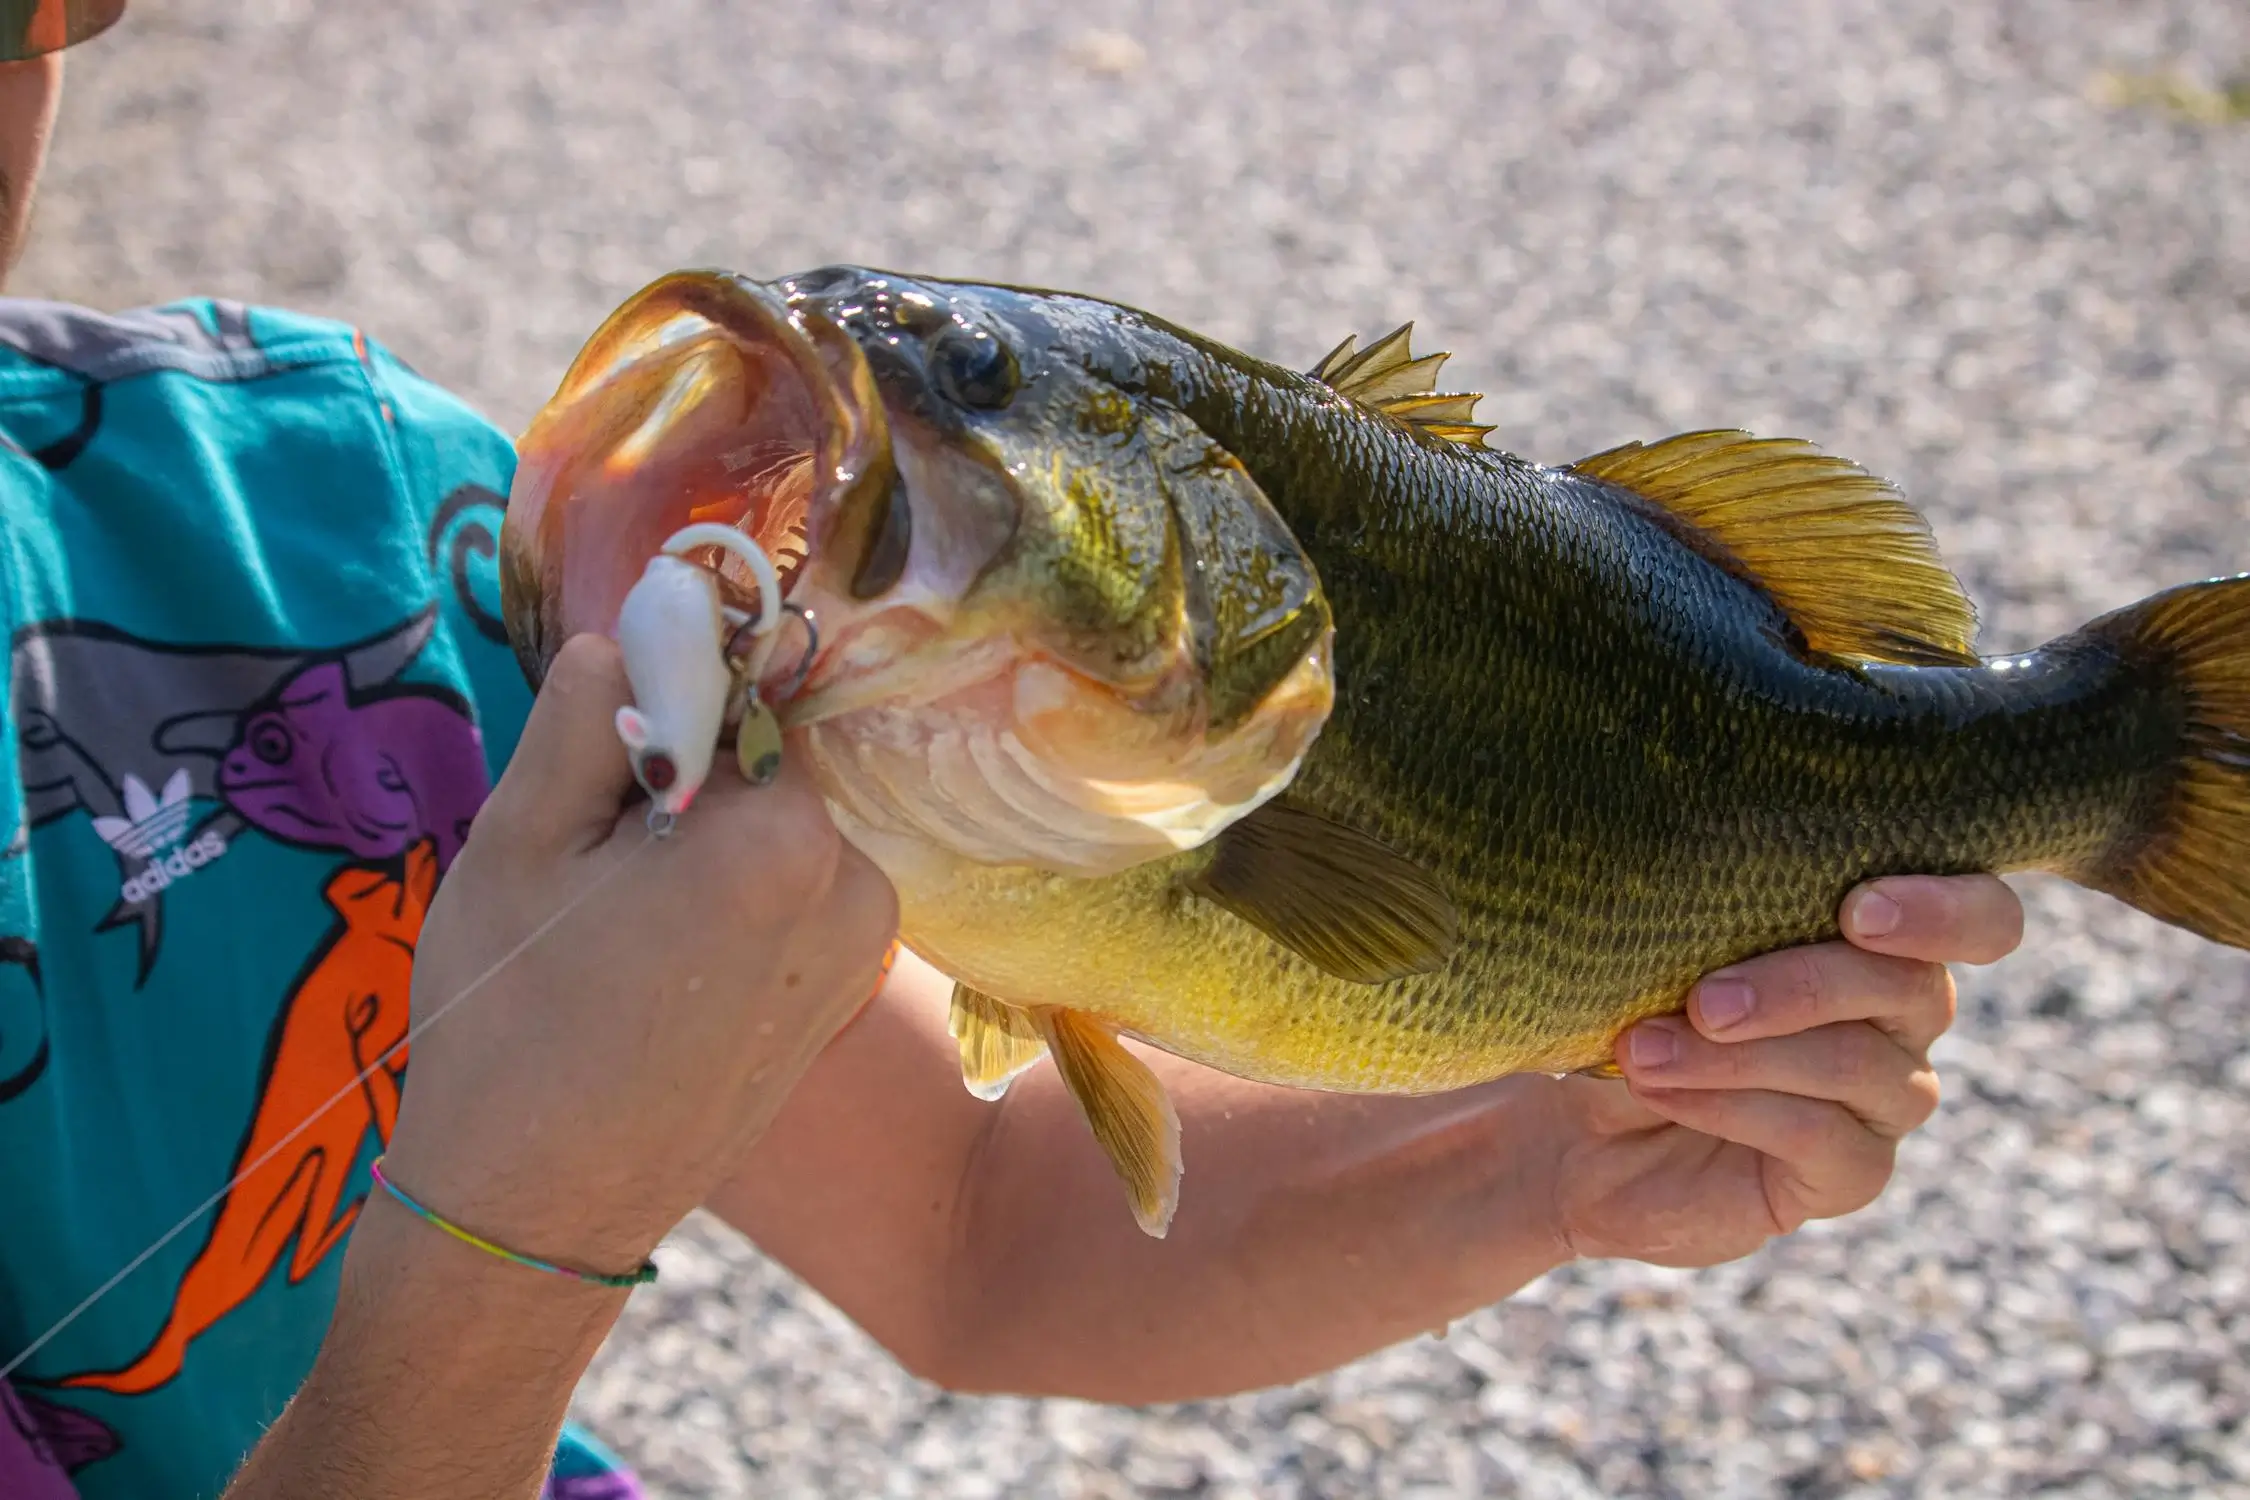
x=703, y=399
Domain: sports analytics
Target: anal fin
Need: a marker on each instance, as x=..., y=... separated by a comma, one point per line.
x=997, y=1041
x=1130, y=1114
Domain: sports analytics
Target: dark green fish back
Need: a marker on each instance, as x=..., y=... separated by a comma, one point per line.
x=1622, y=757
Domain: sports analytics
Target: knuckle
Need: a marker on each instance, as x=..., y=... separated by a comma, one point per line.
x=1924, y=1094
x=1790, y=1200
x=1855, y=1191
x=1810, y=1134
x=1855, y=1062
x=1870, y=1171
x=1723, y=1065
x=1855, y=1177
x=1738, y=1064
x=1804, y=984
x=1940, y=997
x=1910, y=989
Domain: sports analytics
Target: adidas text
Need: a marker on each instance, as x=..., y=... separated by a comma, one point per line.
x=178, y=865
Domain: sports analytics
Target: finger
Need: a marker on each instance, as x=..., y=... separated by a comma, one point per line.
x=1607, y=1104
x=1797, y=989
x=1968, y=919
x=1890, y=1090
x=1821, y=1162
x=569, y=771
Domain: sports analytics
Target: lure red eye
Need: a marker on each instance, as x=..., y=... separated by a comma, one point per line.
x=658, y=773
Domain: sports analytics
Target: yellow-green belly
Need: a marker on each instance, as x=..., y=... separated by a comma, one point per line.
x=1159, y=963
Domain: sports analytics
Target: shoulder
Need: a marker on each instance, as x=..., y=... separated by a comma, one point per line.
x=213, y=470
x=235, y=371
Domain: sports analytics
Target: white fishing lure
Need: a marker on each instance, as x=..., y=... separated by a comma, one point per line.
x=673, y=632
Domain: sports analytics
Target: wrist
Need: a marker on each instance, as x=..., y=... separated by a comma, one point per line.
x=444, y=1370
x=568, y=1215
x=419, y=1294
x=616, y=1281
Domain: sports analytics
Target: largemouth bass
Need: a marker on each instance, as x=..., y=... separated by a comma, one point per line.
x=1274, y=720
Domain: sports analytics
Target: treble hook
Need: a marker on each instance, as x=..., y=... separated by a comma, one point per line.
x=737, y=648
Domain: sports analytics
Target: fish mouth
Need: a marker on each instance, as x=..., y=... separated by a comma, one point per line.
x=706, y=397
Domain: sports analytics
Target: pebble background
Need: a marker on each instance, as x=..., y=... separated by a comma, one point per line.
x=1909, y=229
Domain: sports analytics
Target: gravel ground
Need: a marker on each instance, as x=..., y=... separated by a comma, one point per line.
x=1904, y=228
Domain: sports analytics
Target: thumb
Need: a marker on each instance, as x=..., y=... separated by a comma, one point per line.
x=569, y=775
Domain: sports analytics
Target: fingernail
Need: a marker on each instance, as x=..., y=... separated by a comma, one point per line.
x=1653, y=1045
x=1874, y=914
x=1724, y=1002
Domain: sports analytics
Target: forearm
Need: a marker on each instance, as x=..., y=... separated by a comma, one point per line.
x=989, y=1246
x=1313, y=1229
x=445, y=1372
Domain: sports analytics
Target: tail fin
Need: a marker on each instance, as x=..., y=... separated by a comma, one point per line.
x=2192, y=868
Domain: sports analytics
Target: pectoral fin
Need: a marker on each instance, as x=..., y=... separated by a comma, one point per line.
x=1127, y=1107
x=997, y=1041
x=1332, y=895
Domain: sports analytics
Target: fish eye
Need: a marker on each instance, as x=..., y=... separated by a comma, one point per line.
x=973, y=368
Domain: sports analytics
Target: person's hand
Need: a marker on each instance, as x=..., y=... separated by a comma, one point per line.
x=1739, y=1121
x=604, y=1080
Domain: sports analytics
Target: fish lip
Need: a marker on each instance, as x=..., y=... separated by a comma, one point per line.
x=847, y=433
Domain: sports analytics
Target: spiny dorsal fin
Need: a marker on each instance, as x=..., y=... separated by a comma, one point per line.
x=1337, y=898
x=1127, y=1109
x=997, y=1041
x=1852, y=564
x=1386, y=376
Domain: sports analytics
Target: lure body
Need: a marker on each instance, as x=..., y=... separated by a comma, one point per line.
x=669, y=631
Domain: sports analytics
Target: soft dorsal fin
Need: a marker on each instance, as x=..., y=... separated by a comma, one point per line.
x=1852, y=565
x=1337, y=898
x=1386, y=376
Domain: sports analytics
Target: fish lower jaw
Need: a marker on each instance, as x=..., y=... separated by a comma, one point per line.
x=920, y=789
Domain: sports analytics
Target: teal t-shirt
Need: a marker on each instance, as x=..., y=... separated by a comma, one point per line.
x=257, y=687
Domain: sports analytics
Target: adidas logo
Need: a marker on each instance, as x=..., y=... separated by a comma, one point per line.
x=151, y=830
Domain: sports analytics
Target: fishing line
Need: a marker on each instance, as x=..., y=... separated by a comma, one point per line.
x=340, y=1095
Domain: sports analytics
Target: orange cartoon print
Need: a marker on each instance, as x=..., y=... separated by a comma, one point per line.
x=350, y=1006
